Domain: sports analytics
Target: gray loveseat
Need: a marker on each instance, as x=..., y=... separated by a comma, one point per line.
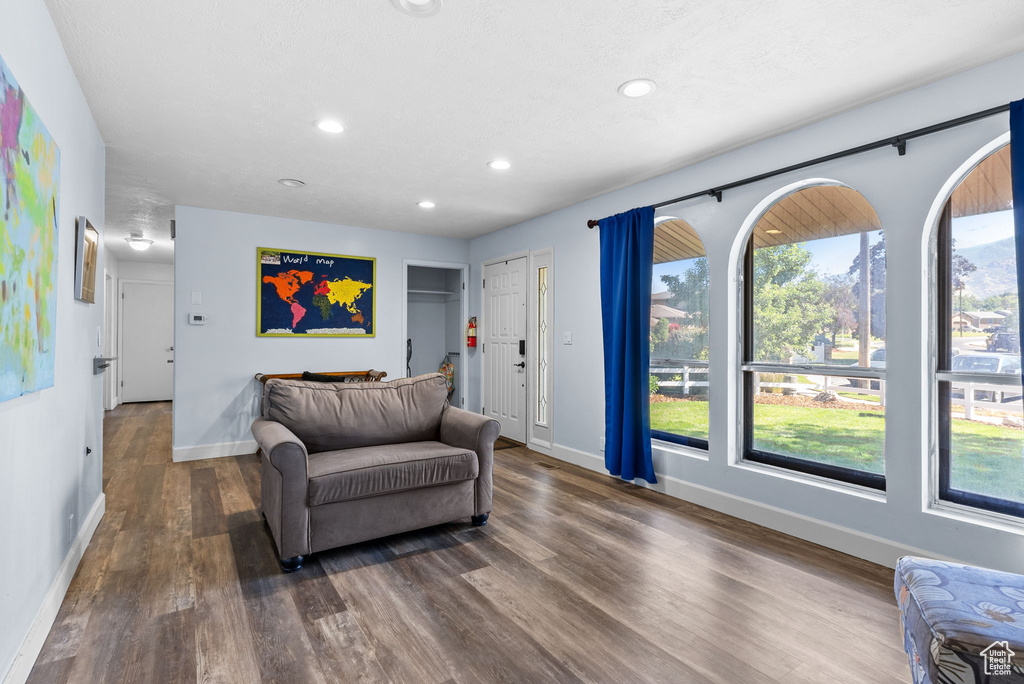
x=343, y=463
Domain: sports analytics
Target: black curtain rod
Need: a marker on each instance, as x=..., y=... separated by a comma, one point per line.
x=897, y=141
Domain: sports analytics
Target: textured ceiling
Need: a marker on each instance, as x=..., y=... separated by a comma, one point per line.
x=209, y=102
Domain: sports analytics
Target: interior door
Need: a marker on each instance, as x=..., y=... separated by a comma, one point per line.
x=504, y=350
x=147, y=342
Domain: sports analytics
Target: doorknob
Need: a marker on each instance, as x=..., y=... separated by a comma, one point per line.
x=170, y=360
x=521, y=364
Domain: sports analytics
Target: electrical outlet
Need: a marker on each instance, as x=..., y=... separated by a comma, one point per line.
x=71, y=528
x=602, y=445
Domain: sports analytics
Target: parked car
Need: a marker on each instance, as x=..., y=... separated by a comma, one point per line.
x=1003, y=341
x=984, y=362
x=994, y=329
x=877, y=358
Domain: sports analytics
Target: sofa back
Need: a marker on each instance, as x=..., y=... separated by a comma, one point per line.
x=333, y=415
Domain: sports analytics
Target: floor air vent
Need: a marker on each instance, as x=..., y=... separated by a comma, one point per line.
x=542, y=464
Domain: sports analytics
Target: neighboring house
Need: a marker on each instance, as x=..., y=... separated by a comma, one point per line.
x=979, y=319
x=662, y=311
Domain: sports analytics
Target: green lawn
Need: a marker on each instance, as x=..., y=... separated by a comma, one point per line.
x=987, y=459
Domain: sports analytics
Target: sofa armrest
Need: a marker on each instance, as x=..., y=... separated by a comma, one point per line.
x=284, y=486
x=477, y=433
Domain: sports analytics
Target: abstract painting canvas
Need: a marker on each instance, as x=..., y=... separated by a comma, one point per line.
x=30, y=168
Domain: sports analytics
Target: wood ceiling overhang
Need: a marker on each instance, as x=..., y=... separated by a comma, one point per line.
x=831, y=210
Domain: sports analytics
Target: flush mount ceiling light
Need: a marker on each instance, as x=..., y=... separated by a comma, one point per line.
x=500, y=165
x=426, y=204
x=291, y=182
x=138, y=243
x=418, y=8
x=772, y=231
x=330, y=126
x=638, y=87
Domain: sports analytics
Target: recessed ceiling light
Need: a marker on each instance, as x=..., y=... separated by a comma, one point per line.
x=772, y=231
x=291, y=182
x=138, y=243
x=330, y=126
x=418, y=8
x=426, y=204
x=500, y=165
x=638, y=87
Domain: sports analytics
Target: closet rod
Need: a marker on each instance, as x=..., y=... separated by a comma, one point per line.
x=897, y=141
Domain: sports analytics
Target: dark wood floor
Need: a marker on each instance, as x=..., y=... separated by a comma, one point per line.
x=578, y=577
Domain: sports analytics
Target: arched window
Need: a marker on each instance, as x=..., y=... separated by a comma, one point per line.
x=981, y=425
x=814, y=336
x=679, y=335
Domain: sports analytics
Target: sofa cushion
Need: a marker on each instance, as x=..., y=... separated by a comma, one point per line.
x=330, y=416
x=349, y=474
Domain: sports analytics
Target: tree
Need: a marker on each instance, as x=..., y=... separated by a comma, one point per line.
x=841, y=300
x=961, y=268
x=876, y=279
x=788, y=302
x=659, y=332
x=690, y=293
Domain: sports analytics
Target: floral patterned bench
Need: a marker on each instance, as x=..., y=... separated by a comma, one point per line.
x=961, y=624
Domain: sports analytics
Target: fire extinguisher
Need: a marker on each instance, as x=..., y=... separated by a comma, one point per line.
x=471, y=333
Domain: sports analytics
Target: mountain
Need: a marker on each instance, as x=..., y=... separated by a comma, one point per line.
x=996, y=262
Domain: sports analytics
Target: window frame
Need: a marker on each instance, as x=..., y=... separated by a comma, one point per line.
x=748, y=367
x=945, y=377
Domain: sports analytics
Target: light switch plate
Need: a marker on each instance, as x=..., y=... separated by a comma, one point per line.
x=197, y=297
x=567, y=338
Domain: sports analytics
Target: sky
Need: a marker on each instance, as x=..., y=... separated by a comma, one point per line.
x=982, y=228
x=835, y=255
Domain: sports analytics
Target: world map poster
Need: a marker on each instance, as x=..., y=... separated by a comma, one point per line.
x=310, y=294
x=29, y=206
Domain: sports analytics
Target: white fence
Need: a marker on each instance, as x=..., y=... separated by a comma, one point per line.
x=974, y=395
x=991, y=396
x=686, y=373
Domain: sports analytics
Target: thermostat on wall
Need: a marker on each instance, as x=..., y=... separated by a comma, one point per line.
x=196, y=319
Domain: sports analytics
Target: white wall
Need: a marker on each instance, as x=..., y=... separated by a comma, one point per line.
x=903, y=190
x=144, y=270
x=427, y=332
x=46, y=475
x=215, y=395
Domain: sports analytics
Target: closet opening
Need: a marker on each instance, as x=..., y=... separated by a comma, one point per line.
x=436, y=320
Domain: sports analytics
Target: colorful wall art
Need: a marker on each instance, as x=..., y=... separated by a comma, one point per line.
x=29, y=207
x=315, y=295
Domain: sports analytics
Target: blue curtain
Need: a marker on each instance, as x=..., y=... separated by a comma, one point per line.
x=1017, y=175
x=627, y=264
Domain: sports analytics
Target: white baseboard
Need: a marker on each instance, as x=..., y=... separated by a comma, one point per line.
x=203, y=451
x=867, y=546
x=40, y=629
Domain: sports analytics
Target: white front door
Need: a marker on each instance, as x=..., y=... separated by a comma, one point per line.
x=505, y=346
x=147, y=342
